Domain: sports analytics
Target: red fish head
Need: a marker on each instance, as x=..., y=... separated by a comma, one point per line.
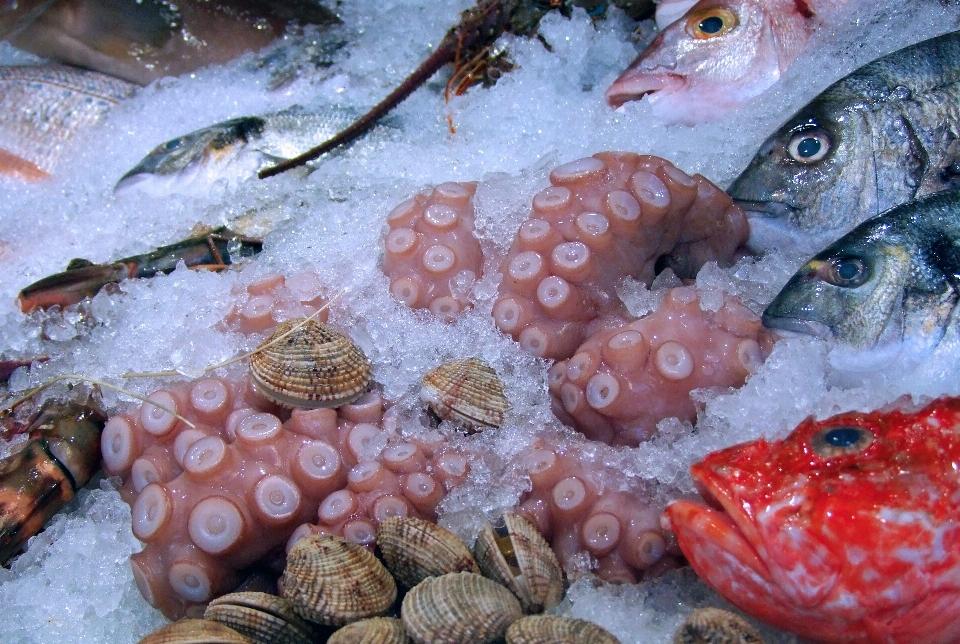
x=846, y=531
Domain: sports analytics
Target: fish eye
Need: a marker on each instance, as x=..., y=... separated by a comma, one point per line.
x=846, y=271
x=809, y=146
x=172, y=144
x=841, y=440
x=710, y=23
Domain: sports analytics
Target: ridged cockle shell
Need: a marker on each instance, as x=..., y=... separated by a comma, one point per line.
x=414, y=549
x=375, y=630
x=195, y=631
x=458, y=607
x=313, y=366
x=516, y=555
x=467, y=392
x=552, y=629
x=716, y=626
x=261, y=617
x=333, y=581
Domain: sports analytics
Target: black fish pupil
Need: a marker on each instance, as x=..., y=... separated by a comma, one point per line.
x=711, y=25
x=808, y=147
x=848, y=270
x=842, y=437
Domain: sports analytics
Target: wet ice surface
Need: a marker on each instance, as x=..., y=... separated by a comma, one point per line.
x=74, y=583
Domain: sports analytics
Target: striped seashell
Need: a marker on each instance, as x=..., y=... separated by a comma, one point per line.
x=195, y=631
x=376, y=630
x=467, y=392
x=458, y=607
x=514, y=554
x=312, y=366
x=261, y=617
x=414, y=549
x=716, y=626
x=333, y=581
x=552, y=629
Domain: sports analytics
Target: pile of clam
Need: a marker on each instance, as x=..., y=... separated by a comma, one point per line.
x=447, y=593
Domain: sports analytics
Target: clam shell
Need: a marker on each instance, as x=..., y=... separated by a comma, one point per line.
x=514, y=554
x=314, y=366
x=376, y=630
x=333, y=581
x=716, y=626
x=195, y=631
x=261, y=617
x=552, y=629
x=414, y=549
x=467, y=392
x=458, y=607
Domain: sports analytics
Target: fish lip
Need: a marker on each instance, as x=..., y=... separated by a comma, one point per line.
x=790, y=326
x=768, y=209
x=632, y=87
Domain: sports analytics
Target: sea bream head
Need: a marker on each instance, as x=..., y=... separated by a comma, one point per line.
x=847, y=531
x=877, y=138
x=715, y=57
x=886, y=292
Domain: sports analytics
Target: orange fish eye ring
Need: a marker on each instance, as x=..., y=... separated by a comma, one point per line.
x=711, y=23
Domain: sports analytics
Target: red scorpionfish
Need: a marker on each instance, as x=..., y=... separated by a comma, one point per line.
x=846, y=531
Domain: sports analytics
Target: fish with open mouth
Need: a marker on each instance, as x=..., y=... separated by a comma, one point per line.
x=846, y=532
x=718, y=55
x=883, y=135
x=233, y=150
x=886, y=292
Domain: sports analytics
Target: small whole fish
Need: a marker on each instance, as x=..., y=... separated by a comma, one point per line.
x=43, y=106
x=883, y=135
x=846, y=532
x=886, y=291
x=718, y=55
x=233, y=150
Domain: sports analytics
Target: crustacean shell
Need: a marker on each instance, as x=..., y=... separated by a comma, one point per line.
x=376, y=630
x=716, y=626
x=458, y=607
x=467, y=392
x=261, y=617
x=516, y=555
x=314, y=366
x=333, y=581
x=195, y=631
x=552, y=629
x=414, y=549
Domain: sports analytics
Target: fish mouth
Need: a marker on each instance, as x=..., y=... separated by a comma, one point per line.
x=797, y=326
x=769, y=209
x=632, y=86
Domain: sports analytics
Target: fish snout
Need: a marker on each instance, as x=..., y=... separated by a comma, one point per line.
x=766, y=209
x=793, y=325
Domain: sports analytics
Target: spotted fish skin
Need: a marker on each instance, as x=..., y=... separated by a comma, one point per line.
x=847, y=531
x=44, y=106
x=882, y=136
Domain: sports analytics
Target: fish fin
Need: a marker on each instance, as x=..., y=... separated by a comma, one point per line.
x=77, y=263
x=17, y=167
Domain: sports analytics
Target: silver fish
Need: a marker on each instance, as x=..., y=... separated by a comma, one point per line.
x=883, y=135
x=233, y=150
x=43, y=106
x=886, y=291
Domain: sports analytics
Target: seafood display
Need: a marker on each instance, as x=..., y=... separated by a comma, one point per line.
x=603, y=218
x=844, y=532
x=45, y=105
x=875, y=139
x=886, y=292
x=60, y=457
x=142, y=40
x=233, y=150
x=715, y=55
x=211, y=250
x=525, y=357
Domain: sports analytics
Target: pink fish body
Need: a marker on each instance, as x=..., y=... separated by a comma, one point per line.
x=847, y=531
x=717, y=56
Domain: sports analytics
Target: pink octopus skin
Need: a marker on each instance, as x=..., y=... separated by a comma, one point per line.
x=622, y=381
x=619, y=531
x=263, y=304
x=212, y=500
x=430, y=246
x=606, y=217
